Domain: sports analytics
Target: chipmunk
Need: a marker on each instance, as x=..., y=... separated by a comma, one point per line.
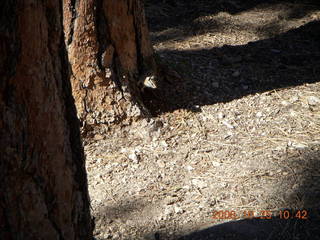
x=147, y=81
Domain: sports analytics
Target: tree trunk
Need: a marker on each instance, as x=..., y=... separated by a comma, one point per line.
x=111, y=56
x=43, y=191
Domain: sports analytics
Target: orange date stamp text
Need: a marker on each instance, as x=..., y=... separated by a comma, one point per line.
x=263, y=214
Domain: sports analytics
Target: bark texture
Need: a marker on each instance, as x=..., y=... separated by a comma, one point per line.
x=43, y=191
x=109, y=50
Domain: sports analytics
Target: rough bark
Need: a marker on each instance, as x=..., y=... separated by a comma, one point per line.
x=109, y=51
x=43, y=191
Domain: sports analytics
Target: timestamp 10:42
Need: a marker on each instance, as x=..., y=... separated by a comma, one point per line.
x=264, y=214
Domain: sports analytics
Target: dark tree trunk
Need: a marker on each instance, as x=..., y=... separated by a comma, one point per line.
x=43, y=184
x=110, y=55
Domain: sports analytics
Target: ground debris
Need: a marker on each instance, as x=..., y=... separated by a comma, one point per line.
x=241, y=133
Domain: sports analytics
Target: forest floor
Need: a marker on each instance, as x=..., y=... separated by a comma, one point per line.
x=239, y=136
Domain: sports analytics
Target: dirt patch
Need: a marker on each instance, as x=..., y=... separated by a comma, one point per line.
x=239, y=131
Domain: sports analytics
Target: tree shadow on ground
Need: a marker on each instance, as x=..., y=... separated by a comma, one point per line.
x=287, y=224
x=301, y=220
x=262, y=229
x=163, y=15
x=222, y=74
